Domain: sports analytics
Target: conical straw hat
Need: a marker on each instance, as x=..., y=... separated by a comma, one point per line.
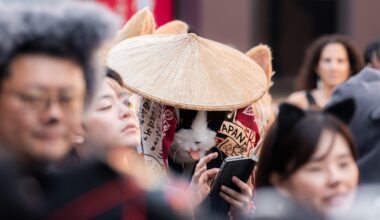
x=188, y=71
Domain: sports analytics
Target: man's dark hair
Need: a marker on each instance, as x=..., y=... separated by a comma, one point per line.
x=373, y=49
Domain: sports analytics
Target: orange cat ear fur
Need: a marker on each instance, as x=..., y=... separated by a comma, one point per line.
x=175, y=27
x=142, y=23
x=262, y=55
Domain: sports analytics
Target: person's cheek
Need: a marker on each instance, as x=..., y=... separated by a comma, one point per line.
x=313, y=189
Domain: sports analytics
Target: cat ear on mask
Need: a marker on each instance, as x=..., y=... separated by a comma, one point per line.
x=262, y=55
x=175, y=27
x=343, y=110
x=141, y=23
x=288, y=116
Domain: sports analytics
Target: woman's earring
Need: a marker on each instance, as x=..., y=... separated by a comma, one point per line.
x=319, y=83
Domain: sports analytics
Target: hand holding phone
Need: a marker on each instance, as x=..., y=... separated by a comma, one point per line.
x=239, y=166
x=221, y=200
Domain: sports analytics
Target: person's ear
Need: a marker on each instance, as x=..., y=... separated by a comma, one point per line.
x=279, y=184
x=78, y=137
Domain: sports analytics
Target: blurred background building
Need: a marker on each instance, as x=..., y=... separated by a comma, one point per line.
x=287, y=26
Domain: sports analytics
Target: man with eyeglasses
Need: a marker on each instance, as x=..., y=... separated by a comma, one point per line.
x=39, y=110
x=48, y=71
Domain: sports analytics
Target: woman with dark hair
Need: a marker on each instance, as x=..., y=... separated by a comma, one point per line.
x=309, y=158
x=111, y=122
x=48, y=72
x=110, y=166
x=329, y=61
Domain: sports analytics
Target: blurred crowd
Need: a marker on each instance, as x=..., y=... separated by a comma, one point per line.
x=80, y=135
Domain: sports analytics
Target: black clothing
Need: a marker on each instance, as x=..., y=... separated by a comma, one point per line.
x=96, y=191
x=310, y=99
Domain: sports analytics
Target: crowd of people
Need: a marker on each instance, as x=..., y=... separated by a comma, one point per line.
x=70, y=134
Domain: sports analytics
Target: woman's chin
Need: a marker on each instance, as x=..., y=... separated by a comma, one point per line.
x=339, y=205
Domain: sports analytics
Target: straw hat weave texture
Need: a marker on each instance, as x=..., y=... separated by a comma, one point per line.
x=188, y=71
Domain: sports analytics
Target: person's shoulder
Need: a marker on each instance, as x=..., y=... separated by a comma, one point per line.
x=298, y=99
x=168, y=204
x=366, y=75
x=364, y=80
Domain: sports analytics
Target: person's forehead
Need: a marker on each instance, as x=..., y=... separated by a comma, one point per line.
x=330, y=145
x=334, y=49
x=35, y=70
x=106, y=89
x=116, y=87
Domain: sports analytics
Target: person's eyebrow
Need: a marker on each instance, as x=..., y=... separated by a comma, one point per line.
x=341, y=156
x=123, y=94
x=316, y=160
x=105, y=97
x=320, y=158
x=44, y=87
x=345, y=155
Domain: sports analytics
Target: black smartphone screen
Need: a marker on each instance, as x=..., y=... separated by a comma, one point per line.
x=241, y=167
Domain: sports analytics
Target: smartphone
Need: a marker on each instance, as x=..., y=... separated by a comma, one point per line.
x=239, y=166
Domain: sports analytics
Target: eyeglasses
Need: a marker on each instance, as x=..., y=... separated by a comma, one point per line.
x=39, y=101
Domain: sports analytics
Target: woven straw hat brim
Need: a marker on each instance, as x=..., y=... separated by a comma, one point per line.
x=188, y=71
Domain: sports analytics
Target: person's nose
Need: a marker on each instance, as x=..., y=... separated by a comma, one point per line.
x=53, y=112
x=335, y=65
x=124, y=111
x=335, y=176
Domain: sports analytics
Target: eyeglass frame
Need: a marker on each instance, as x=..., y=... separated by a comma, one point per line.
x=41, y=103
